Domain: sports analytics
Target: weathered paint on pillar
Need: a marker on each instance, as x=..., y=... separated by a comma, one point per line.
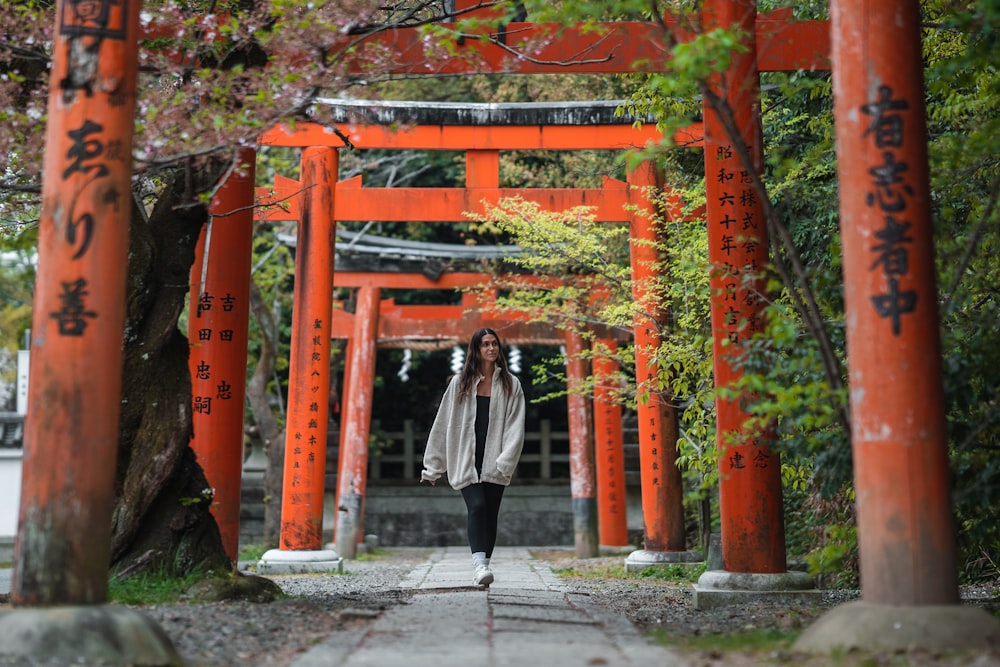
x=63, y=543
x=612, y=509
x=217, y=332
x=581, y=452
x=353, y=473
x=662, y=484
x=309, y=374
x=906, y=532
x=750, y=497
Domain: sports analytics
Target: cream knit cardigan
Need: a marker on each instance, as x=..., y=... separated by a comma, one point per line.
x=451, y=443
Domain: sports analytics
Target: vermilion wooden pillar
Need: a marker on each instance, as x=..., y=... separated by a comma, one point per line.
x=217, y=331
x=353, y=472
x=906, y=532
x=662, y=485
x=750, y=497
x=74, y=394
x=581, y=452
x=309, y=375
x=609, y=456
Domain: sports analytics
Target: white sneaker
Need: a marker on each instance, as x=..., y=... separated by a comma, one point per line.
x=484, y=577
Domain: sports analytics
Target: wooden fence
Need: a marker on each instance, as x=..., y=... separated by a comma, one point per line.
x=399, y=454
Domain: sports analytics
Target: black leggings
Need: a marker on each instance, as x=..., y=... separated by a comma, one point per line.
x=483, y=504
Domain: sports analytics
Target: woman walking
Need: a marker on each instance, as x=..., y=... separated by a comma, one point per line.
x=476, y=438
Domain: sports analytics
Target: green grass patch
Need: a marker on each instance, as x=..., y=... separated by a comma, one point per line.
x=673, y=572
x=253, y=552
x=594, y=572
x=372, y=554
x=762, y=640
x=149, y=588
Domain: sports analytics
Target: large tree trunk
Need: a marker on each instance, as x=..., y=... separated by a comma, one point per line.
x=161, y=517
x=268, y=431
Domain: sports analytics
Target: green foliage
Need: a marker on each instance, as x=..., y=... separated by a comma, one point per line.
x=583, y=263
x=206, y=496
x=793, y=400
x=836, y=560
x=963, y=86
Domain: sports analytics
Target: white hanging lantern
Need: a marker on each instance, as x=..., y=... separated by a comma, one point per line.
x=457, y=359
x=404, y=369
x=514, y=359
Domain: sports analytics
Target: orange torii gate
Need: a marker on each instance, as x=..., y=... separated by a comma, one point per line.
x=537, y=127
x=398, y=326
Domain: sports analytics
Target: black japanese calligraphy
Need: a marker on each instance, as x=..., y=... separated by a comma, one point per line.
x=761, y=459
x=894, y=304
x=85, y=226
x=84, y=151
x=890, y=194
x=204, y=303
x=886, y=126
x=72, y=317
x=203, y=405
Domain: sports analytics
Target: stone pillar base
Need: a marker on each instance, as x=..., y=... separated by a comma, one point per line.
x=641, y=559
x=279, y=561
x=873, y=627
x=105, y=634
x=718, y=588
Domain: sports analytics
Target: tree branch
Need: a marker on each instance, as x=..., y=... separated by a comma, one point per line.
x=973, y=244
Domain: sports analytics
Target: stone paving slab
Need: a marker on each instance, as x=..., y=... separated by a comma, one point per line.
x=526, y=617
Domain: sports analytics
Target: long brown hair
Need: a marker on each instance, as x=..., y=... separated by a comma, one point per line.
x=474, y=360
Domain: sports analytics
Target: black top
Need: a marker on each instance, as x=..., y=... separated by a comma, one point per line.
x=482, y=424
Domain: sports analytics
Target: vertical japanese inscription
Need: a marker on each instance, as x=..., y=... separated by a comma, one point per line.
x=890, y=194
x=739, y=254
x=738, y=246
x=609, y=447
x=312, y=432
x=207, y=333
x=85, y=25
x=316, y=339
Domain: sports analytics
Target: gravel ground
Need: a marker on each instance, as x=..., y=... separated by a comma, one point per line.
x=722, y=637
x=246, y=634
